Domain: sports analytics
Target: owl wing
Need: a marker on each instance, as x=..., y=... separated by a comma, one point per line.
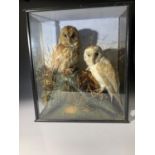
x=107, y=72
x=57, y=57
x=64, y=58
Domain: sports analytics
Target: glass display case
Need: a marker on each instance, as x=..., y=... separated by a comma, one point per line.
x=79, y=62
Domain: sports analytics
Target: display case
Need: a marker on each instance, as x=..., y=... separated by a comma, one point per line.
x=79, y=62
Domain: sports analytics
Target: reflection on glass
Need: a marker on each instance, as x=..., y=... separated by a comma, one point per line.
x=69, y=86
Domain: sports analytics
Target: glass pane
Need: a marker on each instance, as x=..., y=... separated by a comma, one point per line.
x=79, y=59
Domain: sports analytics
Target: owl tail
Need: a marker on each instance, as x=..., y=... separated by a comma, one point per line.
x=117, y=97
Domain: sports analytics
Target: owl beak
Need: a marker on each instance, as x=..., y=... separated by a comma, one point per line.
x=76, y=44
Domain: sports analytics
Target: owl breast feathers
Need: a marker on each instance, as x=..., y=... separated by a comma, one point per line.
x=66, y=54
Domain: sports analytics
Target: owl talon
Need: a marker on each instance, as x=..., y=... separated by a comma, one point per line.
x=99, y=91
x=68, y=71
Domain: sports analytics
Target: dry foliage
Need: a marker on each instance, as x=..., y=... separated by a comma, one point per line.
x=86, y=82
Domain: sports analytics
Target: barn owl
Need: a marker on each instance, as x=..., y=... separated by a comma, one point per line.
x=66, y=54
x=103, y=71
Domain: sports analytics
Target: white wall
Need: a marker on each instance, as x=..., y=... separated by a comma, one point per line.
x=106, y=30
x=103, y=31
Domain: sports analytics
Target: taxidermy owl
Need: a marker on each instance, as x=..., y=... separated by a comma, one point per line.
x=103, y=71
x=66, y=54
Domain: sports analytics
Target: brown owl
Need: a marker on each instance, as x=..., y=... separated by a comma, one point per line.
x=103, y=71
x=66, y=55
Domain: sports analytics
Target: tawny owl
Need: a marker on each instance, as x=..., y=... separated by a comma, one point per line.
x=103, y=71
x=66, y=55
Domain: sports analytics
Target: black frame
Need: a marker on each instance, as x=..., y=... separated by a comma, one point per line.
x=129, y=47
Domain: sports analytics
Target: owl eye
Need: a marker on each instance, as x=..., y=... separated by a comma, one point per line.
x=88, y=55
x=96, y=54
x=73, y=36
x=65, y=35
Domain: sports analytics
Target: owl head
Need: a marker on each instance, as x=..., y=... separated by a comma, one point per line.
x=92, y=55
x=69, y=36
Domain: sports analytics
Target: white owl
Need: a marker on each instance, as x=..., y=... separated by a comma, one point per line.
x=103, y=71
